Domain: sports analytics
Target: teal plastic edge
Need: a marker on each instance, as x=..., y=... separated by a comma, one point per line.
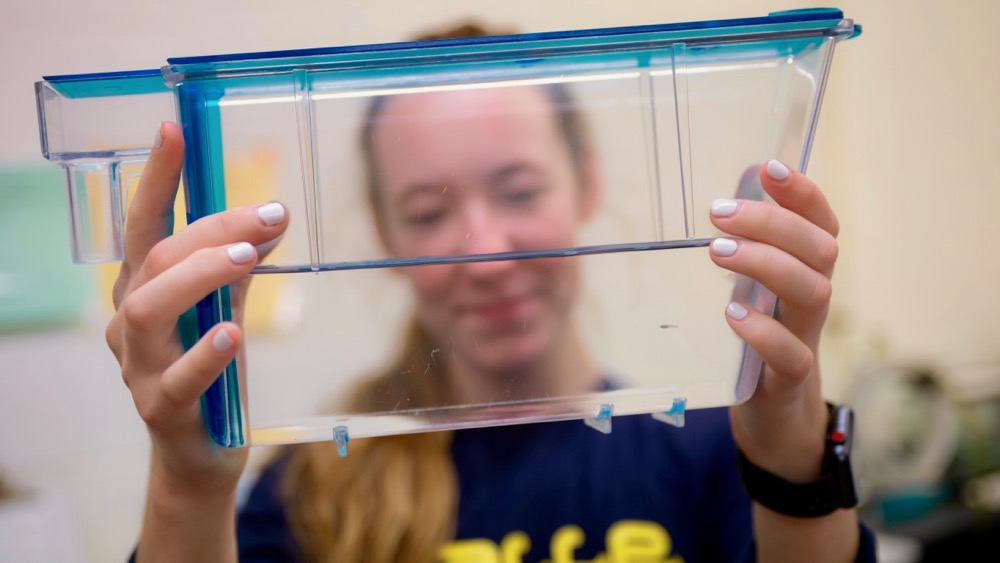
x=204, y=190
x=695, y=28
x=263, y=83
x=423, y=52
x=152, y=81
x=108, y=84
x=807, y=12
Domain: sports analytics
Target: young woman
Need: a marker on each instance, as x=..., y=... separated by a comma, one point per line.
x=516, y=180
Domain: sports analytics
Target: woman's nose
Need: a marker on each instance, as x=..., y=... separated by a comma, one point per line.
x=486, y=233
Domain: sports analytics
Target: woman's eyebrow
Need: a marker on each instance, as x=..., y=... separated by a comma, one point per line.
x=513, y=169
x=416, y=190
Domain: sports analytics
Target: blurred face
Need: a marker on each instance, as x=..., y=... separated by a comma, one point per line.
x=482, y=172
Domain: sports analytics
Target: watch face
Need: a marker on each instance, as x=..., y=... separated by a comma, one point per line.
x=907, y=431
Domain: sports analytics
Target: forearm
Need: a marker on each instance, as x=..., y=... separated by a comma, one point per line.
x=188, y=526
x=780, y=537
x=832, y=538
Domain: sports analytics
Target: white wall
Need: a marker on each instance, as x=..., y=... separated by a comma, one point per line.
x=907, y=151
x=908, y=148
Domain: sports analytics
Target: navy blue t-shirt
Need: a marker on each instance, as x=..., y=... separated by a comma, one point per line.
x=562, y=491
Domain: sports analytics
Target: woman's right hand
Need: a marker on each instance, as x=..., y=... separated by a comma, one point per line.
x=161, y=277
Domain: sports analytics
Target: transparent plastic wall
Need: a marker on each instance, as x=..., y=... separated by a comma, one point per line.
x=102, y=157
x=392, y=174
x=481, y=232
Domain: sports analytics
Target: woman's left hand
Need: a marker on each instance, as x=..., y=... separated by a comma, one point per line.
x=790, y=248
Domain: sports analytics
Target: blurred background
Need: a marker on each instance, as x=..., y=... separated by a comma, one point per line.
x=907, y=152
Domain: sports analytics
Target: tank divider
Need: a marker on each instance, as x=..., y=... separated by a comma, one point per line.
x=682, y=113
x=307, y=157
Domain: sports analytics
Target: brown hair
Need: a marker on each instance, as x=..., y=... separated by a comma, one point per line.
x=394, y=498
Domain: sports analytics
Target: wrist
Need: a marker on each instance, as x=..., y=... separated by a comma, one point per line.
x=793, y=451
x=169, y=497
x=172, y=493
x=184, y=523
x=200, y=470
x=795, y=463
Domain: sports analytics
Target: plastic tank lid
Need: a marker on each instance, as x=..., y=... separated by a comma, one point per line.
x=151, y=81
x=698, y=28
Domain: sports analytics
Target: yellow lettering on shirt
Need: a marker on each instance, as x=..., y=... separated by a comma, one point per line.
x=638, y=541
x=564, y=542
x=470, y=551
x=626, y=541
x=513, y=547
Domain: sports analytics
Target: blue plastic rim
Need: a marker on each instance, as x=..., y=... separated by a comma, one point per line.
x=783, y=21
x=148, y=81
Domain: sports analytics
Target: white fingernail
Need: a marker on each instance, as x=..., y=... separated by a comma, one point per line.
x=221, y=341
x=271, y=213
x=737, y=311
x=777, y=170
x=724, y=246
x=723, y=207
x=158, y=139
x=241, y=252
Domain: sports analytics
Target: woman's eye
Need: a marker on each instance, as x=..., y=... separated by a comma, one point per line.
x=521, y=196
x=425, y=217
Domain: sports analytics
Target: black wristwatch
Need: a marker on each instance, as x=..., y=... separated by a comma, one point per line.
x=834, y=490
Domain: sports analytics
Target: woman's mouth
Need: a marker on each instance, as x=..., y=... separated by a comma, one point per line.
x=500, y=312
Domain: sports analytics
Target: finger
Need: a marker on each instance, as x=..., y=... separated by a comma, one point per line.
x=778, y=227
x=256, y=224
x=153, y=308
x=150, y=216
x=803, y=293
x=791, y=280
x=183, y=383
x=781, y=350
x=795, y=192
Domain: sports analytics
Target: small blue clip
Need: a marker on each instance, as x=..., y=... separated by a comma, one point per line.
x=340, y=436
x=674, y=416
x=602, y=422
